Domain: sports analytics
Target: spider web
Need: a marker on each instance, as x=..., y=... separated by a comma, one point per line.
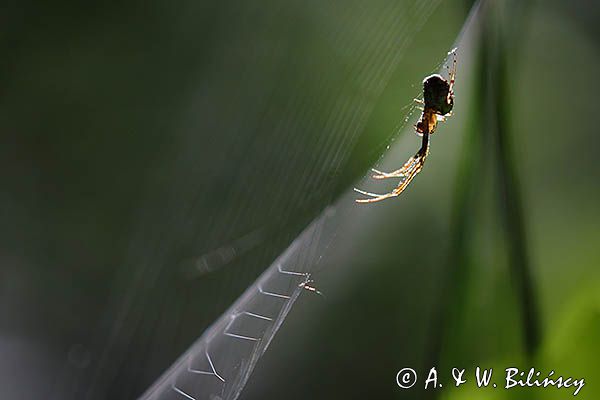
x=218, y=365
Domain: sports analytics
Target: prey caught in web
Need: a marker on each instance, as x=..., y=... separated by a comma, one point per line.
x=438, y=100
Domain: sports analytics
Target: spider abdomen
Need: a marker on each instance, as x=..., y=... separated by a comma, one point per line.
x=435, y=94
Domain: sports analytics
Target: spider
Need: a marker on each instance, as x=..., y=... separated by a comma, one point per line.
x=438, y=100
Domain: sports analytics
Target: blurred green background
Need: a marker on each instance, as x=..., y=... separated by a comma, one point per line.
x=139, y=139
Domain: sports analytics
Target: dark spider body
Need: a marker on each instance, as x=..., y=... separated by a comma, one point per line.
x=435, y=94
x=438, y=101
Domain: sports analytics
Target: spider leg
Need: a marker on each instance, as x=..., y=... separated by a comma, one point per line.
x=383, y=175
x=409, y=165
x=409, y=171
x=367, y=193
x=452, y=74
x=378, y=198
x=404, y=171
x=410, y=175
x=375, y=197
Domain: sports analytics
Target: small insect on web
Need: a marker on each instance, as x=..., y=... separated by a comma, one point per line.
x=306, y=285
x=438, y=100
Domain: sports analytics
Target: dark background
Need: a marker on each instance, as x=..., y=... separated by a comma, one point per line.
x=137, y=137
